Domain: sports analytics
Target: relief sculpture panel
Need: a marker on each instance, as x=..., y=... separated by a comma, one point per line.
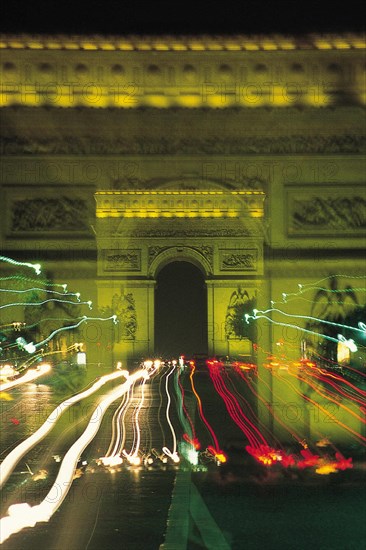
x=89, y=144
x=122, y=260
x=243, y=259
x=321, y=212
x=44, y=214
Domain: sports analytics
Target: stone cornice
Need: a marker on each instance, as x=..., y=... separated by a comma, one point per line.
x=179, y=204
x=181, y=43
x=253, y=145
x=182, y=72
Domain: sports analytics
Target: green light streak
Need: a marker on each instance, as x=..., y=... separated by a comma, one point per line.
x=27, y=304
x=70, y=327
x=313, y=286
x=306, y=317
x=36, y=267
x=28, y=279
x=290, y=325
x=77, y=294
x=302, y=298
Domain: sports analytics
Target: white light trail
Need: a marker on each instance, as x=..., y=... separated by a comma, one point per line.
x=28, y=304
x=84, y=319
x=306, y=317
x=36, y=267
x=45, y=290
x=349, y=343
x=172, y=454
x=132, y=456
x=297, y=327
x=114, y=460
x=22, y=515
x=29, y=376
x=11, y=460
x=118, y=431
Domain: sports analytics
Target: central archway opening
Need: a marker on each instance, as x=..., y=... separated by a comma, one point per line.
x=180, y=310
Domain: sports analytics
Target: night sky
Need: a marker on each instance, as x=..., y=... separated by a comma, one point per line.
x=177, y=17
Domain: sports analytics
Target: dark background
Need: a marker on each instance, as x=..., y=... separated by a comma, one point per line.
x=177, y=17
x=180, y=311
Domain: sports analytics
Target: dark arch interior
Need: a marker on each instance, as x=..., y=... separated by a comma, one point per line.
x=180, y=311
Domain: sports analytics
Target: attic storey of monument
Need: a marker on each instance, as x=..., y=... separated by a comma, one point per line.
x=221, y=72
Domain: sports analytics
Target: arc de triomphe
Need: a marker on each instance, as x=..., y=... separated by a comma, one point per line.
x=243, y=156
x=218, y=230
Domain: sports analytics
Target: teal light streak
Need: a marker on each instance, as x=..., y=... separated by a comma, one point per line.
x=311, y=318
x=312, y=286
x=26, y=304
x=70, y=327
x=247, y=316
x=36, y=267
x=65, y=293
x=28, y=279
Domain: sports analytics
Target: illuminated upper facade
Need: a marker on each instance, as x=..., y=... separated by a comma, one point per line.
x=164, y=72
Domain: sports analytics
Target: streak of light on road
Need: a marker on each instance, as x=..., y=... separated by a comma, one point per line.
x=118, y=432
x=133, y=456
x=212, y=449
x=23, y=515
x=171, y=454
x=29, y=376
x=11, y=460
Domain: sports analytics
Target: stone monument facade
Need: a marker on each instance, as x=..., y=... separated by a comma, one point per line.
x=241, y=155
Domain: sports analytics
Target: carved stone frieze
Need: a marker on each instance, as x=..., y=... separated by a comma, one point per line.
x=186, y=232
x=238, y=260
x=60, y=214
x=122, y=260
x=186, y=184
x=205, y=250
x=155, y=251
x=92, y=145
x=337, y=214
